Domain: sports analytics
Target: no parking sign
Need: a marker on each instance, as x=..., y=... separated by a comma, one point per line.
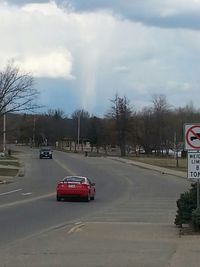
x=192, y=136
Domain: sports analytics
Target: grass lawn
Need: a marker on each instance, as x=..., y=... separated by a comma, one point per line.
x=8, y=172
x=163, y=162
x=11, y=166
x=9, y=162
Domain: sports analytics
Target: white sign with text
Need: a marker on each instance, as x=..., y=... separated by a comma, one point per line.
x=193, y=165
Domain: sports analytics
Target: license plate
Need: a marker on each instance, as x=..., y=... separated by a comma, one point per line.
x=71, y=185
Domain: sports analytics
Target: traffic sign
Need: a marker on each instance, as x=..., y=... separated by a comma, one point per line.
x=192, y=136
x=193, y=170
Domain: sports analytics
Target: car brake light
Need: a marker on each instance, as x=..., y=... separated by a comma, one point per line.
x=85, y=185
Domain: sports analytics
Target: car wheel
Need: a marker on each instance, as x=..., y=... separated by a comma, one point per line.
x=58, y=198
x=87, y=199
x=92, y=198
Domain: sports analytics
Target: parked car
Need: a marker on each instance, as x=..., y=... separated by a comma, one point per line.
x=76, y=186
x=45, y=153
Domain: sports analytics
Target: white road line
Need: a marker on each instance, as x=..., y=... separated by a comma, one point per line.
x=29, y=200
x=10, y=192
x=76, y=228
x=65, y=167
x=27, y=194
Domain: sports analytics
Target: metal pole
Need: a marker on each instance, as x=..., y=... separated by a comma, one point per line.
x=176, y=149
x=198, y=194
x=34, y=131
x=4, y=133
x=79, y=129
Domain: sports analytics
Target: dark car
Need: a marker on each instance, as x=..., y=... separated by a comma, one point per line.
x=45, y=153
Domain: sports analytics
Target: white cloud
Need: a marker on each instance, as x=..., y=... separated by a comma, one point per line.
x=104, y=53
x=53, y=65
x=32, y=37
x=47, y=9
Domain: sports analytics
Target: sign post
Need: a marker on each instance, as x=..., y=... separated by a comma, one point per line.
x=192, y=145
x=198, y=194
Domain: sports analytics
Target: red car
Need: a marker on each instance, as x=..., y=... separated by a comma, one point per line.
x=76, y=186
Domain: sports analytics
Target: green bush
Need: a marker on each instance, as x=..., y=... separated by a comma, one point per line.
x=186, y=204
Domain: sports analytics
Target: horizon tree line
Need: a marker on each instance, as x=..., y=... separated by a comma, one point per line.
x=154, y=128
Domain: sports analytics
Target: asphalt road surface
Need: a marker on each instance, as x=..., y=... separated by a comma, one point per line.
x=126, y=196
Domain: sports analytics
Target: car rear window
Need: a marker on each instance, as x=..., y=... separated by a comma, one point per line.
x=74, y=180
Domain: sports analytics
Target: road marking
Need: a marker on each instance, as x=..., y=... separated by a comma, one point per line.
x=25, y=201
x=34, y=198
x=27, y=194
x=76, y=228
x=65, y=167
x=10, y=192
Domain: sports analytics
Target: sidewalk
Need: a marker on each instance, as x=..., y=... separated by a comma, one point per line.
x=105, y=244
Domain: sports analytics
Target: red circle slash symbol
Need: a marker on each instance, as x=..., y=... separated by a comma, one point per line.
x=194, y=136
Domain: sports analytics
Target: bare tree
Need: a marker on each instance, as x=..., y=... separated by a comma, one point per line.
x=80, y=118
x=16, y=90
x=147, y=134
x=121, y=113
x=161, y=111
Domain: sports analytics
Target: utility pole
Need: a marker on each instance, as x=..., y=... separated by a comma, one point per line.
x=4, y=132
x=176, y=149
x=34, y=131
x=79, y=124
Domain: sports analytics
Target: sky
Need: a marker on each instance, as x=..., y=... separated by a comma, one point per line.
x=84, y=52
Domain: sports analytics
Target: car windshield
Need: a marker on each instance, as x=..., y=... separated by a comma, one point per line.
x=74, y=180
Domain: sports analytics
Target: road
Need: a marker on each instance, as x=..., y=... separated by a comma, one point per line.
x=126, y=195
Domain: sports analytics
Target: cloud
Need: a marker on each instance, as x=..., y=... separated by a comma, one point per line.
x=46, y=9
x=121, y=69
x=53, y=42
x=52, y=65
x=28, y=38
x=97, y=52
x=165, y=13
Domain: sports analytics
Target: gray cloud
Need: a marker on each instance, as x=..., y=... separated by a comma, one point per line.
x=163, y=14
x=149, y=12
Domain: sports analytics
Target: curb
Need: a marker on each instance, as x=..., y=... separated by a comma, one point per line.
x=11, y=179
x=21, y=171
x=7, y=180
